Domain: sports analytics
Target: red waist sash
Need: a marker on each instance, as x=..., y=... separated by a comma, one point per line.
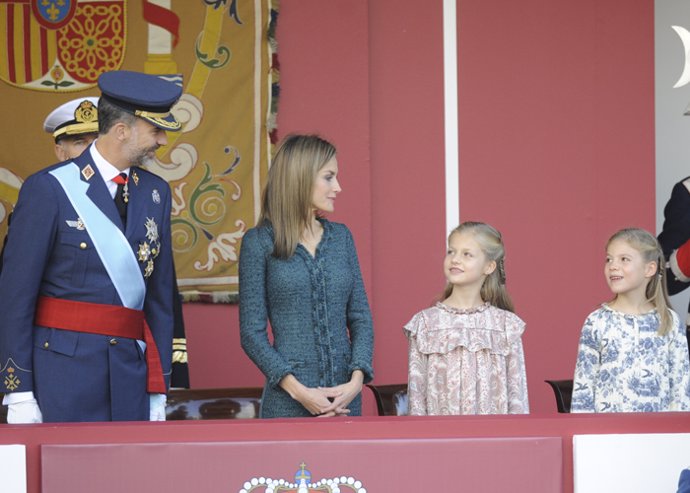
x=107, y=320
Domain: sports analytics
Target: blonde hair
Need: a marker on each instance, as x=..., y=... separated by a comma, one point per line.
x=287, y=198
x=493, y=288
x=656, y=291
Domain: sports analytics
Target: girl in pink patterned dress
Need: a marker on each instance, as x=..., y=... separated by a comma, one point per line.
x=465, y=352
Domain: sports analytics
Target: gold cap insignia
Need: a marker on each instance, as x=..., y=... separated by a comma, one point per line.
x=85, y=121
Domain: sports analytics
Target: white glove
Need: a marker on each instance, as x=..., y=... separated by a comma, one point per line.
x=24, y=412
x=157, y=407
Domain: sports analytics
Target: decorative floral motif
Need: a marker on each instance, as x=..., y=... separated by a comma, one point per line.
x=56, y=76
x=207, y=208
x=222, y=58
x=93, y=42
x=223, y=248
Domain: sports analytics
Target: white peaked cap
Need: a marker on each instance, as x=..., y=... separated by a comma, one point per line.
x=66, y=119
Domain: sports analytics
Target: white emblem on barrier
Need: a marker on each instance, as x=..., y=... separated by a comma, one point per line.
x=303, y=484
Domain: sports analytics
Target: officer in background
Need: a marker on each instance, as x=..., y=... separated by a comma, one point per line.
x=85, y=291
x=74, y=125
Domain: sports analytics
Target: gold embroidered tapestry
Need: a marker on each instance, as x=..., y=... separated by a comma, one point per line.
x=222, y=52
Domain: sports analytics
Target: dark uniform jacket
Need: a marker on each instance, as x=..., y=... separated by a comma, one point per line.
x=78, y=376
x=675, y=233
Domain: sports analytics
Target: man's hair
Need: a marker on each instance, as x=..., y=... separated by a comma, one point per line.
x=109, y=115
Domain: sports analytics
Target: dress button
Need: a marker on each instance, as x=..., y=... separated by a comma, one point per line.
x=113, y=342
x=45, y=344
x=82, y=245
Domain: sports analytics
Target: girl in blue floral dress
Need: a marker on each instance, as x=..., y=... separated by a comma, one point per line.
x=633, y=354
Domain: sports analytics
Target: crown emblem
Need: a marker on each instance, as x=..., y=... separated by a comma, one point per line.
x=303, y=484
x=86, y=112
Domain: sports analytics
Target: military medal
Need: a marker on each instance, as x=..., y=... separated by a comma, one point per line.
x=149, y=250
x=144, y=252
x=151, y=229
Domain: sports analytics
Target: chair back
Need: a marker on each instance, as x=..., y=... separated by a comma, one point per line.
x=391, y=400
x=221, y=403
x=563, y=391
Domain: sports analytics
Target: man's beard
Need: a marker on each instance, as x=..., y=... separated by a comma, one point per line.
x=145, y=157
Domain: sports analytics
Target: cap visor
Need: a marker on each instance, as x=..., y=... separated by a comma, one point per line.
x=168, y=123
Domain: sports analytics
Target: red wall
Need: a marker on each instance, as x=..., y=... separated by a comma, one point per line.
x=556, y=150
x=556, y=135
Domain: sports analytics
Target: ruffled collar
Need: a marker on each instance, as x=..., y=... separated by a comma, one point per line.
x=462, y=311
x=476, y=330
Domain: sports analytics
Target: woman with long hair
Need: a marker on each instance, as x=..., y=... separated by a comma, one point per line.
x=300, y=273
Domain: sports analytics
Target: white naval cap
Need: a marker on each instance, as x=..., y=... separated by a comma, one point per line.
x=78, y=116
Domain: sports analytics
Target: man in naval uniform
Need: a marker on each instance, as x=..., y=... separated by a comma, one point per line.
x=73, y=125
x=85, y=292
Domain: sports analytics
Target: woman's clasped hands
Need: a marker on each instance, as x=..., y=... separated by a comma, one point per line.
x=324, y=402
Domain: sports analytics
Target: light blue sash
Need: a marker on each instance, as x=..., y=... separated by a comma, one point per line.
x=110, y=243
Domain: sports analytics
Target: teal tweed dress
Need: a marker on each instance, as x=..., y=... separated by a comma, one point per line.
x=318, y=312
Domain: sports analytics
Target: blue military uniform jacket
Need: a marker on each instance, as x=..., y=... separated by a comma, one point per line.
x=78, y=376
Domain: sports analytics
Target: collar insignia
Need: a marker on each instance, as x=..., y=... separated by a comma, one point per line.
x=88, y=172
